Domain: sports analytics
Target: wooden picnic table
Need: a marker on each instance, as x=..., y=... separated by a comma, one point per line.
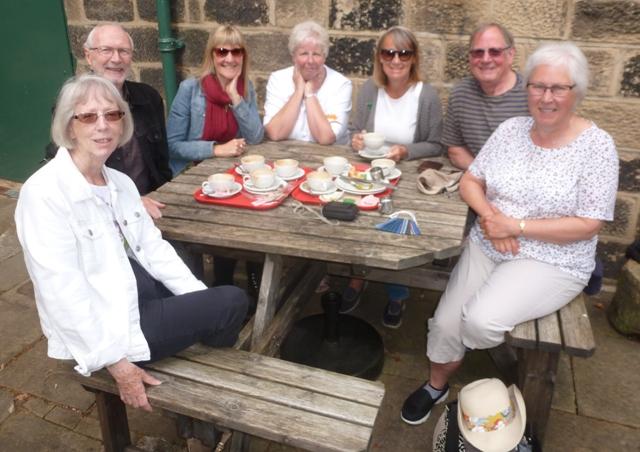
x=290, y=240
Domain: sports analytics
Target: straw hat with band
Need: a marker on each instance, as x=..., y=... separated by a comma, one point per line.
x=491, y=416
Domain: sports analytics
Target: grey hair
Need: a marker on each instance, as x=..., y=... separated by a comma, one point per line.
x=309, y=30
x=88, y=43
x=75, y=91
x=481, y=28
x=562, y=54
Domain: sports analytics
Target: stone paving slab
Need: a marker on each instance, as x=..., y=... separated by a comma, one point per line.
x=13, y=272
x=26, y=432
x=34, y=373
x=7, y=405
x=569, y=432
x=20, y=328
x=608, y=384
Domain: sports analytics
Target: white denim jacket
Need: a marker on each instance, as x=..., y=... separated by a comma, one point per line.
x=85, y=289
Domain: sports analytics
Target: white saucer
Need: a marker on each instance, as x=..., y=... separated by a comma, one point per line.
x=297, y=175
x=377, y=154
x=348, y=188
x=305, y=188
x=394, y=174
x=248, y=186
x=225, y=194
x=242, y=172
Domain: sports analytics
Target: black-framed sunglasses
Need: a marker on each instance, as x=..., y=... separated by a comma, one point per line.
x=390, y=54
x=222, y=52
x=494, y=52
x=90, y=118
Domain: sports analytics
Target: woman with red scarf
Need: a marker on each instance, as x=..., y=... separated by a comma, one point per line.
x=216, y=114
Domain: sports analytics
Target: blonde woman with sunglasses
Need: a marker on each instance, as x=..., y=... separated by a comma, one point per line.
x=216, y=114
x=407, y=111
x=396, y=103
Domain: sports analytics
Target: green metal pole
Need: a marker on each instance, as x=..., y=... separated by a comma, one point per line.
x=167, y=45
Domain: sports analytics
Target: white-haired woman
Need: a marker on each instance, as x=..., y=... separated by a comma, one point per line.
x=110, y=291
x=542, y=187
x=308, y=101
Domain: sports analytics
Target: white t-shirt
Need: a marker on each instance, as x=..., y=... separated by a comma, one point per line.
x=526, y=181
x=334, y=97
x=396, y=118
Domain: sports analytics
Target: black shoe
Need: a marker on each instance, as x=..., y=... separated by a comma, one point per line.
x=417, y=408
x=392, y=315
x=351, y=298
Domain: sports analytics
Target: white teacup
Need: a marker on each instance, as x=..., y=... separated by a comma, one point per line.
x=373, y=141
x=336, y=165
x=286, y=167
x=218, y=183
x=252, y=162
x=319, y=181
x=387, y=165
x=261, y=178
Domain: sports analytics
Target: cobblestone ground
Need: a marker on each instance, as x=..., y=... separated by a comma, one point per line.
x=595, y=407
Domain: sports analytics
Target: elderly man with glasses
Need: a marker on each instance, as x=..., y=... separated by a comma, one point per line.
x=492, y=94
x=145, y=158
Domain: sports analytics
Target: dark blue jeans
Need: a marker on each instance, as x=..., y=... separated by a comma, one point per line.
x=170, y=323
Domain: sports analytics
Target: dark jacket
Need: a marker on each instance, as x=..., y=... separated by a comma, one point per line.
x=147, y=110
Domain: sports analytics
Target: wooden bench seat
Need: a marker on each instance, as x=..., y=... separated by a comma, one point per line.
x=532, y=351
x=255, y=394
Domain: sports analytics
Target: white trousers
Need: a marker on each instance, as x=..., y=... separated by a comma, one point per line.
x=483, y=300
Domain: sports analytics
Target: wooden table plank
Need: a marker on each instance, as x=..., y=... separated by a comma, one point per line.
x=331, y=383
x=576, y=329
x=549, y=337
x=235, y=411
x=267, y=388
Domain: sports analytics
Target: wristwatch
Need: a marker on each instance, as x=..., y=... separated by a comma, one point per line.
x=522, y=224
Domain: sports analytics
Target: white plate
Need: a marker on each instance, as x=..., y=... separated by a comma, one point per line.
x=225, y=194
x=305, y=188
x=395, y=173
x=348, y=188
x=248, y=186
x=297, y=175
x=377, y=154
x=241, y=172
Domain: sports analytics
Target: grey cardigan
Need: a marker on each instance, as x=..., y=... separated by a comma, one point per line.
x=426, y=141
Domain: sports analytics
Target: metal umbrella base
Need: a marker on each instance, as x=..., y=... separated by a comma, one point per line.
x=336, y=342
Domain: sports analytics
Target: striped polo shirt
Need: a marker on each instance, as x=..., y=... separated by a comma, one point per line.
x=472, y=116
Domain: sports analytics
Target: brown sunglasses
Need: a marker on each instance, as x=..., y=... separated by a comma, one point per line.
x=222, y=52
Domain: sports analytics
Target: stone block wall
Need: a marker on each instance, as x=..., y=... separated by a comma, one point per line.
x=607, y=30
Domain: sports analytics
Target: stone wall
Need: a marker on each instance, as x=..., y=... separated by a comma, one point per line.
x=607, y=30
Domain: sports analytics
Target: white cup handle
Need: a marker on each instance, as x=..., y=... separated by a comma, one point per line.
x=205, y=187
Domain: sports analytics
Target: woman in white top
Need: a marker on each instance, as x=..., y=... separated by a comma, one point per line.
x=542, y=187
x=397, y=104
x=110, y=292
x=308, y=101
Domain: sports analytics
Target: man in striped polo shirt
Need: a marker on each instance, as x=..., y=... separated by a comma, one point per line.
x=493, y=94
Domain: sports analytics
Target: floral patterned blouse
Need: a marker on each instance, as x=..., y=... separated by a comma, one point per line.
x=527, y=181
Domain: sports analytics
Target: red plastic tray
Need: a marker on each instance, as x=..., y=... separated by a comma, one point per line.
x=246, y=200
x=306, y=198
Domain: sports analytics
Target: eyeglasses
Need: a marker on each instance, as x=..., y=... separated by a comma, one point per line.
x=108, y=51
x=538, y=89
x=222, y=52
x=494, y=52
x=390, y=54
x=90, y=118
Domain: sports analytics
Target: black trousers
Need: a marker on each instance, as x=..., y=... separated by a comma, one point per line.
x=170, y=323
